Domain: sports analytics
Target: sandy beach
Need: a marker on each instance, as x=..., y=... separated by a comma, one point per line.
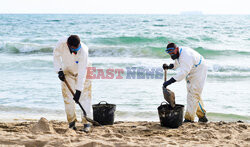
x=56, y=133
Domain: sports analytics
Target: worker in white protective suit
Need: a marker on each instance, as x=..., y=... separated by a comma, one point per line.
x=192, y=66
x=70, y=62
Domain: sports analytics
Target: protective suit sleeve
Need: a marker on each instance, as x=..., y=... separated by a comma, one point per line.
x=186, y=65
x=57, y=57
x=82, y=68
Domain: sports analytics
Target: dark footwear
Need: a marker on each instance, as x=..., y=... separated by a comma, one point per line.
x=72, y=125
x=187, y=121
x=86, y=128
x=203, y=119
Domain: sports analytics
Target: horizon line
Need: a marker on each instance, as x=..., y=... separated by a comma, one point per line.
x=121, y=14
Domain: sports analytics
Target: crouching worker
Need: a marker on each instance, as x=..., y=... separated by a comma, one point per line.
x=192, y=67
x=70, y=62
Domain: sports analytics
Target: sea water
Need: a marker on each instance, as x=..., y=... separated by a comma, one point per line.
x=30, y=88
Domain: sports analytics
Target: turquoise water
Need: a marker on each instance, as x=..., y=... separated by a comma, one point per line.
x=30, y=88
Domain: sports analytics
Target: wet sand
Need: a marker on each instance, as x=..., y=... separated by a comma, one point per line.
x=56, y=133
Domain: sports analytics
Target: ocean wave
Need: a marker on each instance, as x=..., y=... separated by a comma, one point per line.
x=159, y=20
x=228, y=68
x=145, y=46
x=227, y=117
x=19, y=47
x=21, y=109
x=157, y=51
x=228, y=75
x=128, y=40
x=159, y=25
x=225, y=72
x=116, y=51
x=133, y=46
x=211, y=52
x=193, y=39
x=208, y=39
x=54, y=20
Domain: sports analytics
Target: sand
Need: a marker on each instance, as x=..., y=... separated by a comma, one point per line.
x=55, y=133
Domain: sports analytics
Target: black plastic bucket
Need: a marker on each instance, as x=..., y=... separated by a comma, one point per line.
x=171, y=117
x=104, y=113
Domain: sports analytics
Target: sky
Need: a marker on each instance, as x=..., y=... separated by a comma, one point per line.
x=125, y=6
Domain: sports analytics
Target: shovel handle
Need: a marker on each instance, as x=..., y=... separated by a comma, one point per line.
x=165, y=75
x=67, y=84
x=84, y=112
x=72, y=92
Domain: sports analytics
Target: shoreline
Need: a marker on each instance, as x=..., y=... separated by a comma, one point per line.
x=124, y=133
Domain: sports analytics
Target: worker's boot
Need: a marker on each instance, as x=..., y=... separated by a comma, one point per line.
x=72, y=125
x=187, y=121
x=86, y=128
x=203, y=119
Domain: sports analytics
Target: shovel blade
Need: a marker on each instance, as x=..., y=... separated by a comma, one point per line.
x=92, y=121
x=169, y=96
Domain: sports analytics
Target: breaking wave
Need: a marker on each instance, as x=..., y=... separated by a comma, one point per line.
x=128, y=46
x=25, y=48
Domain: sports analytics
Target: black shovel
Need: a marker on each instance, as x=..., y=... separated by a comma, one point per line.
x=84, y=112
x=169, y=96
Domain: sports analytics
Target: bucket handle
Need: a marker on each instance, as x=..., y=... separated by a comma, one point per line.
x=164, y=102
x=101, y=102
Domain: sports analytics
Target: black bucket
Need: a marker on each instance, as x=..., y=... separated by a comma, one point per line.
x=170, y=117
x=104, y=113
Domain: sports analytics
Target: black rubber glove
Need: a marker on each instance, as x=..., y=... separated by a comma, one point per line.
x=61, y=75
x=165, y=66
x=77, y=96
x=165, y=84
x=171, y=66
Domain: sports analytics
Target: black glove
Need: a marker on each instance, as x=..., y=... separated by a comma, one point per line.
x=165, y=84
x=165, y=66
x=171, y=66
x=77, y=96
x=61, y=75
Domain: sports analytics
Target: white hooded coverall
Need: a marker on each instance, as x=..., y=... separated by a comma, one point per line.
x=193, y=67
x=74, y=67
